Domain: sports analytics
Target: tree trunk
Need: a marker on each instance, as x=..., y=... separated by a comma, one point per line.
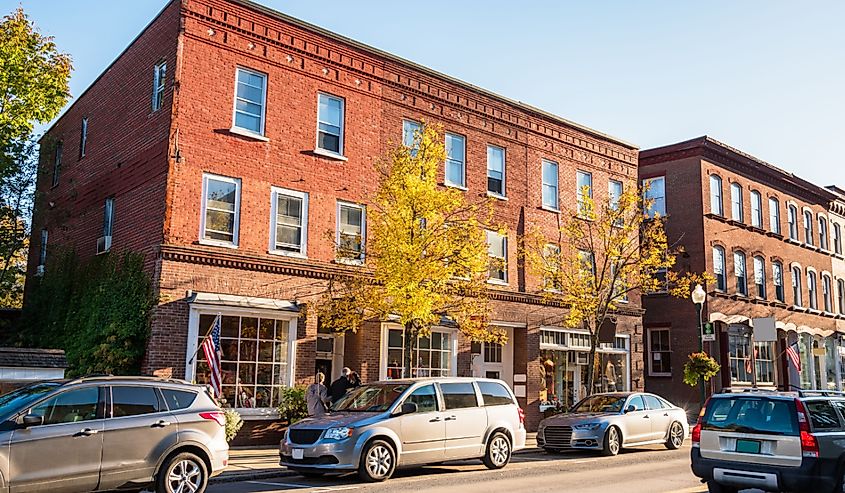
x=591, y=368
x=411, y=332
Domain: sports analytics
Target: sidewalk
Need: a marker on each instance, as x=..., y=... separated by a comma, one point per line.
x=251, y=463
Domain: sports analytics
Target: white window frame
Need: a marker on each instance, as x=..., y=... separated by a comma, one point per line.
x=453, y=343
x=504, y=193
x=824, y=236
x=775, y=267
x=408, y=138
x=651, y=352
x=274, y=196
x=504, y=240
x=741, y=274
x=840, y=296
x=737, y=207
x=797, y=288
x=108, y=216
x=83, y=137
x=237, y=222
x=837, y=238
x=723, y=265
x=759, y=264
x=581, y=199
x=159, y=81
x=716, y=198
x=463, y=139
x=321, y=150
x=827, y=293
x=647, y=190
x=813, y=289
x=756, y=209
x=246, y=131
x=556, y=185
x=792, y=221
x=774, y=215
x=809, y=232
x=363, y=209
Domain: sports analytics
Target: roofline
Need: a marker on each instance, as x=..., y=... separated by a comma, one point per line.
x=431, y=72
x=706, y=142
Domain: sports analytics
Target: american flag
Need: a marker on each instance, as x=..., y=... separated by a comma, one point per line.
x=211, y=348
x=792, y=354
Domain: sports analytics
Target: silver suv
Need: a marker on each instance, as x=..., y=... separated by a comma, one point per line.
x=380, y=426
x=774, y=441
x=105, y=433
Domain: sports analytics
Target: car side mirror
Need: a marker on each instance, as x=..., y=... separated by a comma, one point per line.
x=32, y=420
x=408, y=408
x=630, y=409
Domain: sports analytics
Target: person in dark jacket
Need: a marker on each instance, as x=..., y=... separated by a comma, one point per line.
x=342, y=385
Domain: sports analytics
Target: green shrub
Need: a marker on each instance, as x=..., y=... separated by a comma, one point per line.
x=234, y=422
x=292, y=405
x=700, y=366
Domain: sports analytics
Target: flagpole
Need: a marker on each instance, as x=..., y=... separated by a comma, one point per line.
x=207, y=333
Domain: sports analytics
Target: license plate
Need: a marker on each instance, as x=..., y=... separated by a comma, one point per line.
x=748, y=446
x=298, y=453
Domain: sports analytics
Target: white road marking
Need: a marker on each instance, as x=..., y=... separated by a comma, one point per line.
x=305, y=486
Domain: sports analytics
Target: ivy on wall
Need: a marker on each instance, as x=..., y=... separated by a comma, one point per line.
x=98, y=312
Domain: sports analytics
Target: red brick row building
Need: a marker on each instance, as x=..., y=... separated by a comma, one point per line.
x=234, y=146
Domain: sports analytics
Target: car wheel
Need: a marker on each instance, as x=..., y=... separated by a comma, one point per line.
x=612, y=441
x=714, y=487
x=182, y=473
x=676, y=436
x=378, y=461
x=498, y=451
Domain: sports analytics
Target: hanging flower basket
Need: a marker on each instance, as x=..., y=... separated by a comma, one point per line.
x=700, y=366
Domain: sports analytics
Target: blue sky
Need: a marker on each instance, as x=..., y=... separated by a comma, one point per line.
x=765, y=76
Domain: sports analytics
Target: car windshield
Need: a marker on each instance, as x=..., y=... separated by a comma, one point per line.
x=20, y=398
x=757, y=415
x=600, y=404
x=370, y=398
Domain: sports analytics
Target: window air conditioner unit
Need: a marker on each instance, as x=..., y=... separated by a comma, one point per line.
x=39, y=271
x=103, y=244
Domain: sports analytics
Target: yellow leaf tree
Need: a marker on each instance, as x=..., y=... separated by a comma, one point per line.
x=600, y=254
x=427, y=255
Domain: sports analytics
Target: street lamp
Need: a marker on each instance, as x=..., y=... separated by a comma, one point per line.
x=699, y=296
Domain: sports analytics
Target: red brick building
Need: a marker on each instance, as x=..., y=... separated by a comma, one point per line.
x=771, y=240
x=234, y=146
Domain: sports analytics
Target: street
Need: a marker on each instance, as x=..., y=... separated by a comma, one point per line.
x=646, y=470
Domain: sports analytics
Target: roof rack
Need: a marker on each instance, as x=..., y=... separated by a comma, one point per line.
x=821, y=393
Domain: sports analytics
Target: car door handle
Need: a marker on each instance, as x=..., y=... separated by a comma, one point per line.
x=161, y=424
x=645, y=417
x=87, y=432
x=452, y=418
x=666, y=414
x=434, y=420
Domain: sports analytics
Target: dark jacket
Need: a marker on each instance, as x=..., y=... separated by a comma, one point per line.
x=339, y=387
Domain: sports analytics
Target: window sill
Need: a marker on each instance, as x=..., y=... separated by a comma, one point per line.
x=550, y=209
x=814, y=311
x=246, y=133
x=282, y=253
x=455, y=185
x=218, y=244
x=660, y=375
x=497, y=282
x=349, y=261
x=330, y=154
x=793, y=241
x=496, y=196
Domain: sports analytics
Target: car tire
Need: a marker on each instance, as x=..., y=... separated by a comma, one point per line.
x=714, y=487
x=676, y=436
x=498, y=452
x=612, y=441
x=378, y=461
x=182, y=469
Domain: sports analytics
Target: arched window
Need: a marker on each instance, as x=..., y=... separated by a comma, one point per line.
x=740, y=273
x=840, y=296
x=811, y=290
x=792, y=218
x=837, y=238
x=796, y=286
x=774, y=215
x=808, y=227
x=756, y=209
x=827, y=295
x=716, y=195
x=760, y=276
x=719, y=268
x=736, y=202
x=823, y=233
x=777, y=277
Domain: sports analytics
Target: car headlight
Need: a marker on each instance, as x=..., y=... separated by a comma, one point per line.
x=340, y=433
x=587, y=426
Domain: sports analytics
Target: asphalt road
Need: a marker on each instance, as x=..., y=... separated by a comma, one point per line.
x=645, y=470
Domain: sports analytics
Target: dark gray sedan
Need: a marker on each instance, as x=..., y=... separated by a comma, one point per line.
x=609, y=422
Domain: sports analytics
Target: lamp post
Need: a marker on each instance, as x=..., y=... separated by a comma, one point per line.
x=699, y=296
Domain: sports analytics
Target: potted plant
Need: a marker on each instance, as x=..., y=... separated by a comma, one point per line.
x=700, y=366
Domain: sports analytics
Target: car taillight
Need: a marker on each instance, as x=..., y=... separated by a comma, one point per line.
x=695, y=435
x=809, y=444
x=521, y=414
x=218, y=416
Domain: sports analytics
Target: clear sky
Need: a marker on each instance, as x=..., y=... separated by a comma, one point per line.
x=765, y=76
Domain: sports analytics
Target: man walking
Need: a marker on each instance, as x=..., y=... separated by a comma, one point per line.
x=317, y=397
x=340, y=386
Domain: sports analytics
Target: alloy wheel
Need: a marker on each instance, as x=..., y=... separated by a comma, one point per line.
x=676, y=435
x=379, y=461
x=184, y=476
x=499, y=450
x=613, y=440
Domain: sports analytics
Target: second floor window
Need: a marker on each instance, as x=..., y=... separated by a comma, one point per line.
x=455, y=160
x=719, y=268
x=716, y=195
x=496, y=170
x=777, y=278
x=551, y=268
x=83, y=137
x=220, y=214
x=584, y=190
x=837, y=238
x=655, y=192
x=290, y=222
x=550, y=179
x=840, y=295
x=351, y=232
x=159, y=78
x=736, y=202
x=812, y=290
x=823, y=234
x=760, y=276
x=330, y=124
x=740, y=273
x=796, y=287
x=660, y=349
x=108, y=216
x=250, y=96
x=808, y=227
x=827, y=294
x=792, y=219
x=774, y=215
x=756, y=210
x=497, y=245
x=57, y=163
x=410, y=131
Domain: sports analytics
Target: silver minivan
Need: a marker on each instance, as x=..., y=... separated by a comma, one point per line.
x=378, y=427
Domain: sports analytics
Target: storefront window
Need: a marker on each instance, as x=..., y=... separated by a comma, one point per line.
x=254, y=359
x=830, y=362
x=805, y=341
x=764, y=358
x=613, y=373
x=739, y=353
x=432, y=356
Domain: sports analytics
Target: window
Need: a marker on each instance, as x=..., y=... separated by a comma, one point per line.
x=637, y=403
x=458, y=395
x=756, y=209
x=550, y=177
x=250, y=96
x=455, y=160
x=764, y=361
x=811, y=290
x=614, y=192
x=492, y=352
x=410, y=132
x=760, y=276
x=425, y=398
x=823, y=416
x=497, y=245
x=430, y=357
x=742, y=363
x=736, y=202
x=133, y=401
x=588, y=264
x=584, y=191
x=351, y=232
x=823, y=234
x=837, y=238
x=42, y=251
x=178, y=399
x=72, y=406
x=290, y=222
x=777, y=277
x=719, y=269
x=220, y=214
x=774, y=215
x=496, y=170
x=792, y=219
x=108, y=216
x=660, y=361
x=83, y=137
x=840, y=295
x=716, y=196
x=254, y=359
x=796, y=287
x=551, y=267
x=655, y=194
x=652, y=402
x=827, y=294
x=330, y=124
x=620, y=286
x=57, y=163
x=159, y=77
x=494, y=394
x=740, y=273
x=808, y=227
